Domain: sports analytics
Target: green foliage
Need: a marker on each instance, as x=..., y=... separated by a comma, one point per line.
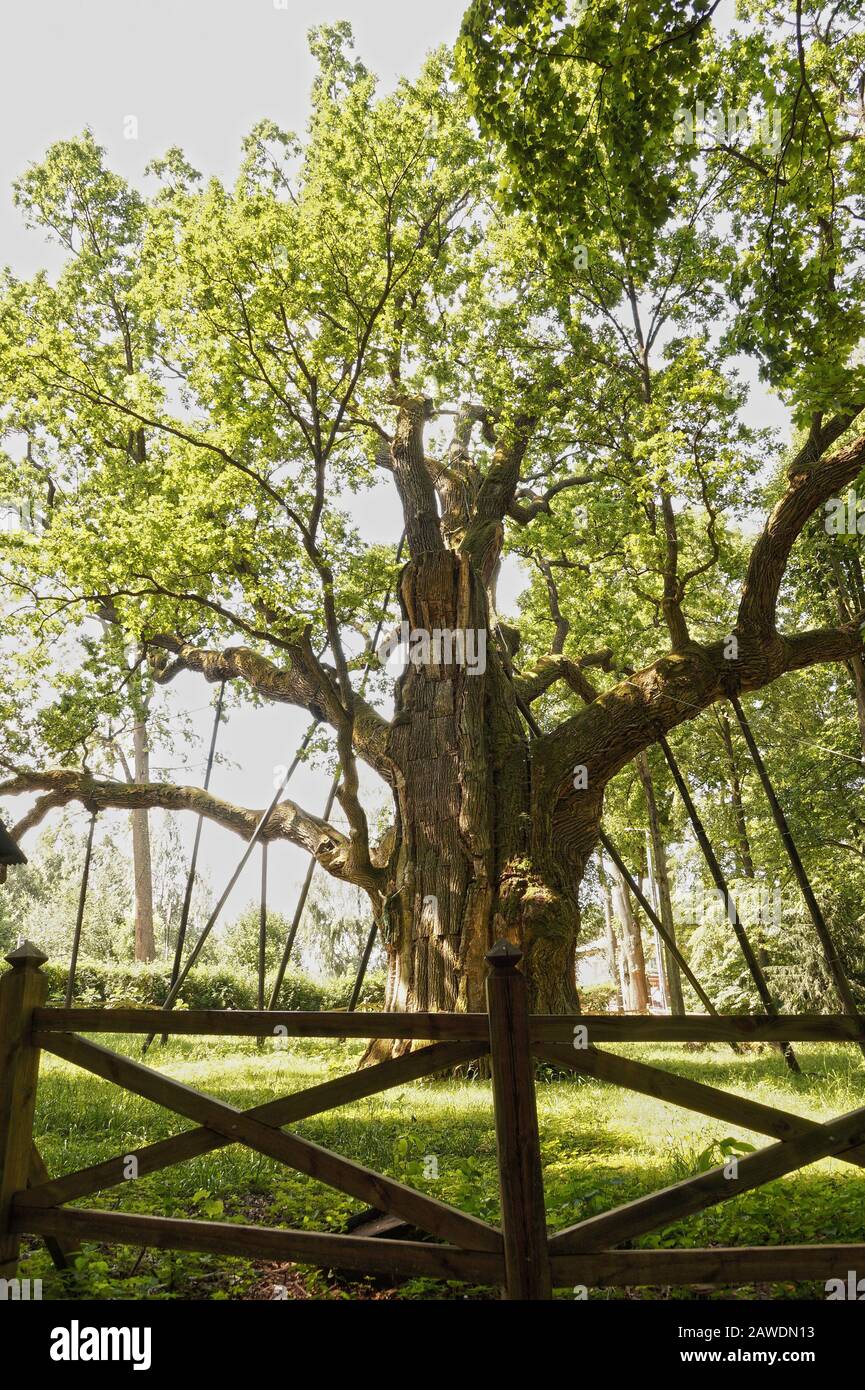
x=595, y=109
x=40, y=900
x=334, y=930
x=216, y=365
x=168, y=380
x=583, y=98
x=239, y=942
x=211, y=373
x=208, y=987
x=595, y=999
x=330, y=939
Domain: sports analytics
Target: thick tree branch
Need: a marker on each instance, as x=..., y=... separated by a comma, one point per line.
x=416, y=489
x=623, y=721
x=482, y=542
x=305, y=682
x=60, y=786
x=549, y=669
x=457, y=483
x=528, y=504
x=811, y=485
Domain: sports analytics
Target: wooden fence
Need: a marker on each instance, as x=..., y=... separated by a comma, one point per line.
x=519, y=1256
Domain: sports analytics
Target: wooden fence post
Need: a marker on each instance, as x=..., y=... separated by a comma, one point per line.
x=524, y=1225
x=22, y=989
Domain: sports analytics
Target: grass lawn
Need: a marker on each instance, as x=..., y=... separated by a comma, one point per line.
x=601, y=1146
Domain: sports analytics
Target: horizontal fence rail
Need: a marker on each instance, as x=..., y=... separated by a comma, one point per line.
x=408, y=1259
x=549, y=1028
x=252, y=1023
x=520, y=1255
x=411, y=1259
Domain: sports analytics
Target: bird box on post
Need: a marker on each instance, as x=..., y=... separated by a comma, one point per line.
x=9, y=852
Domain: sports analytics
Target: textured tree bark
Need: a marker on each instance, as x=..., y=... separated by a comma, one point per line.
x=464, y=871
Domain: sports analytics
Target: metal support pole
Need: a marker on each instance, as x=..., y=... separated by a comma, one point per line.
x=79, y=919
x=830, y=950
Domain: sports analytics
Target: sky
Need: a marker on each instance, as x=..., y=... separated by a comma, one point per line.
x=194, y=73
x=144, y=75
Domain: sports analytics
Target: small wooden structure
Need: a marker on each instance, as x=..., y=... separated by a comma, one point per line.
x=10, y=853
x=520, y=1255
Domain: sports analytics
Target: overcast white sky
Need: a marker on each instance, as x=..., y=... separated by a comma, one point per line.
x=198, y=74
x=195, y=73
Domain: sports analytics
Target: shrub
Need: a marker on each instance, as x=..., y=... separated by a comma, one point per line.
x=595, y=999
x=141, y=986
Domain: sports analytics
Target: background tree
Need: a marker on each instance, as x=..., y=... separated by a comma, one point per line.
x=42, y=899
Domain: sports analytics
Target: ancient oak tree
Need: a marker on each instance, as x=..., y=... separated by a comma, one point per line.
x=515, y=293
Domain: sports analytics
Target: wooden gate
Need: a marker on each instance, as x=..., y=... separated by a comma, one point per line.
x=519, y=1256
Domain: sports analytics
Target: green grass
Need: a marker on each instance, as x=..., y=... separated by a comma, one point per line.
x=601, y=1146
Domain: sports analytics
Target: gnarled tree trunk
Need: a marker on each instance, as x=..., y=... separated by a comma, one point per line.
x=465, y=871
